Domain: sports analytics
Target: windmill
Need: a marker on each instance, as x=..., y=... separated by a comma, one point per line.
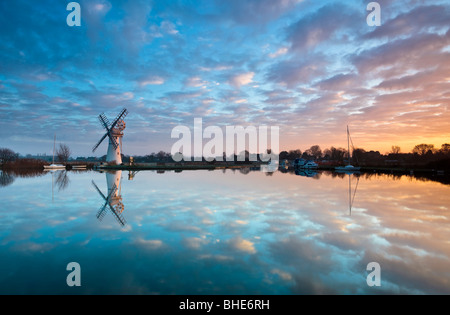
x=114, y=132
x=113, y=201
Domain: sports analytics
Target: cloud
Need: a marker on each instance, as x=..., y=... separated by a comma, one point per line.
x=293, y=72
x=418, y=20
x=320, y=26
x=242, y=79
x=419, y=80
x=194, y=242
x=280, y=52
x=149, y=244
x=282, y=274
x=309, y=67
x=255, y=11
x=195, y=82
x=169, y=28
x=151, y=80
x=339, y=82
x=242, y=245
x=414, y=53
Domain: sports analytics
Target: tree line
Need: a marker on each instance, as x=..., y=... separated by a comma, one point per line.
x=421, y=154
x=62, y=154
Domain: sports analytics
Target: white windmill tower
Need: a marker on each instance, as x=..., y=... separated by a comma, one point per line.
x=114, y=132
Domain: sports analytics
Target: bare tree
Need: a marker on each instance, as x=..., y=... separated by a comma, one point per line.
x=294, y=154
x=162, y=156
x=358, y=154
x=445, y=148
x=63, y=153
x=395, y=149
x=7, y=155
x=423, y=149
x=336, y=154
x=315, y=151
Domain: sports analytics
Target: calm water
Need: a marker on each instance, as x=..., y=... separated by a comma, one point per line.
x=215, y=232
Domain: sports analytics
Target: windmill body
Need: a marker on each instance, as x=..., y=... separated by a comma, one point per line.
x=114, y=154
x=114, y=131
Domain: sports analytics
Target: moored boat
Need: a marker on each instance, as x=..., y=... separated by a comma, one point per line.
x=349, y=168
x=54, y=166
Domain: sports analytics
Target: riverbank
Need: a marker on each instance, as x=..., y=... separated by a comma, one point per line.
x=38, y=165
x=177, y=166
x=391, y=170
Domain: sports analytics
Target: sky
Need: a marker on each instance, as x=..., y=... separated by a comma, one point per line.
x=308, y=67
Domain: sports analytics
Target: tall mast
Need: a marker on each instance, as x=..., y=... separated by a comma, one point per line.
x=54, y=146
x=348, y=142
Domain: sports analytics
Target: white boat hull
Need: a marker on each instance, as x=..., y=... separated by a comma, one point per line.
x=54, y=167
x=348, y=168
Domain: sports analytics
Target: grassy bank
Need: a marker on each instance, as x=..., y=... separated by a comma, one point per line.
x=30, y=166
x=179, y=166
x=25, y=167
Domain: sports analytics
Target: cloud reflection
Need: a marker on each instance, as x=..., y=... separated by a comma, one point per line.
x=229, y=233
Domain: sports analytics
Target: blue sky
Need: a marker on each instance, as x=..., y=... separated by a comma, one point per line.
x=310, y=67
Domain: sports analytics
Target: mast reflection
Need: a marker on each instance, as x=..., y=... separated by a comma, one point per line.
x=351, y=197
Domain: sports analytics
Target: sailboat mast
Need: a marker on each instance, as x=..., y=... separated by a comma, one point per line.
x=348, y=143
x=54, y=147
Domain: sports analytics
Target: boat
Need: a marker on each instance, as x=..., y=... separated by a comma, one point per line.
x=349, y=168
x=54, y=166
x=311, y=165
x=306, y=172
x=302, y=163
x=299, y=163
x=79, y=167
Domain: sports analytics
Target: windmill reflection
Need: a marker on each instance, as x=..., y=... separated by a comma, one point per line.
x=113, y=199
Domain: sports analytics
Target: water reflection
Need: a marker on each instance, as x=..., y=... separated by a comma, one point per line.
x=62, y=179
x=113, y=199
x=351, y=193
x=307, y=173
x=226, y=232
x=6, y=179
